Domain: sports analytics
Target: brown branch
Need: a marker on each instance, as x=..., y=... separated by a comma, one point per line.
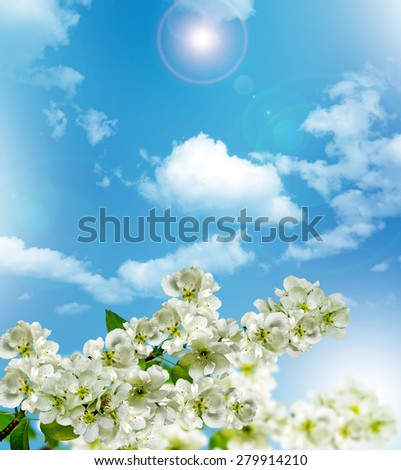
x=8, y=429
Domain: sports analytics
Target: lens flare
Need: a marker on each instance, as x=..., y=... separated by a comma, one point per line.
x=199, y=48
x=203, y=39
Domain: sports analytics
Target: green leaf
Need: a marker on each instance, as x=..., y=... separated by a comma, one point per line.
x=187, y=360
x=181, y=369
x=151, y=363
x=179, y=372
x=166, y=367
x=114, y=321
x=157, y=352
x=220, y=439
x=5, y=420
x=32, y=434
x=19, y=437
x=145, y=365
x=52, y=444
x=56, y=432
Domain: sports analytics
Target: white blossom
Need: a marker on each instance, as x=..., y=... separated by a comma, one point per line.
x=335, y=316
x=312, y=427
x=87, y=384
x=120, y=393
x=26, y=339
x=194, y=286
x=357, y=418
x=21, y=383
x=147, y=387
x=210, y=357
x=174, y=437
x=268, y=334
x=144, y=335
x=90, y=424
x=200, y=402
x=241, y=408
x=304, y=332
x=170, y=319
x=119, y=351
x=54, y=404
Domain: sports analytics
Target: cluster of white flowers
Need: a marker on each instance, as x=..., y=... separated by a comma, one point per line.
x=178, y=368
x=300, y=319
x=347, y=418
x=271, y=417
x=344, y=419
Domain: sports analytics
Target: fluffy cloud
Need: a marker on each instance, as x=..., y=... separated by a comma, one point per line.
x=361, y=173
x=56, y=120
x=133, y=279
x=44, y=263
x=118, y=173
x=212, y=256
x=85, y=3
x=380, y=267
x=25, y=297
x=349, y=123
x=107, y=177
x=152, y=160
x=343, y=237
x=97, y=125
x=221, y=10
x=65, y=78
x=200, y=176
x=105, y=182
x=72, y=308
x=28, y=28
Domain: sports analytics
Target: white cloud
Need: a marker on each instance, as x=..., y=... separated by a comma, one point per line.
x=28, y=29
x=44, y=263
x=105, y=182
x=221, y=10
x=343, y=237
x=65, y=78
x=361, y=173
x=117, y=173
x=107, y=177
x=56, y=120
x=133, y=279
x=200, y=176
x=380, y=267
x=211, y=256
x=72, y=308
x=85, y=3
x=25, y=297
x=153, y=160
x=97, y=125
x=349, y=121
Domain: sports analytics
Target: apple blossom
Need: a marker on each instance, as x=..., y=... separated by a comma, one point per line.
x=157, y=382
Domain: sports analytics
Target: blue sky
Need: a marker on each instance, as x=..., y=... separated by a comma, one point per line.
x=91, y=117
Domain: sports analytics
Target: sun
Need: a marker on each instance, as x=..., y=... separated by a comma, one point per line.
x=203, y=39
x=200, y=49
